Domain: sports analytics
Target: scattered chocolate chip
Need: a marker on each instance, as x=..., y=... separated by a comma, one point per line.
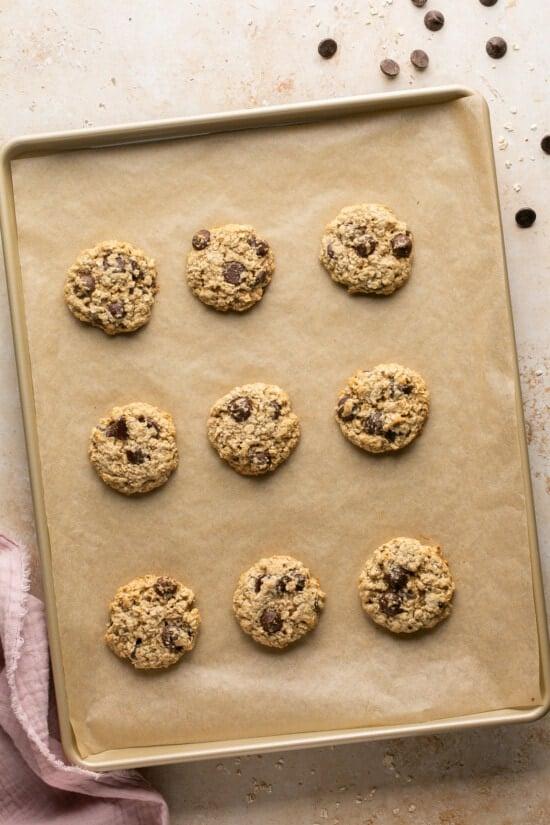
x=171, y=633
x=434, y=20
x=135, y=456
x=201, y=239
x=85, y=285
x=118, y=429
x=496, y=47
x=327, y=48
x=545, y=144
x=419, y=3
x=271, y=621
x=116, y=309
x=346, y=411
x=390, y=604
x=488, y=2
x=526, y=218
x=330, y=251
x=261, y=249
x=259, y=458
x=232, y=272
x=240, y=408
x=258, y=584
x=401, y=246
x=397, y=577
x=373, y=424
x=165, y=587
x=367, y=248
x=389, y=67
x=276, y=409
x=420, y=59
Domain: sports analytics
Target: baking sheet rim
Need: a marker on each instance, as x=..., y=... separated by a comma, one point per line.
x=184, y=127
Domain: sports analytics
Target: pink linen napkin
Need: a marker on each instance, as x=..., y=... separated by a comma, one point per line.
x=37, y=785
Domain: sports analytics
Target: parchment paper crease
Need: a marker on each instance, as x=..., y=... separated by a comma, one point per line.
x=460, y=484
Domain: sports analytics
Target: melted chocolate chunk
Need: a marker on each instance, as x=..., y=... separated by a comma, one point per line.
x=293, y=577
x=201, y=239
x=152, y=425
x=172, y=630
x=275, y=409
x=240, y=408
x=232, y=272
x=137, y=643
x=258, y=584
x=259, y=458
x=261, y=249
x=346, y=408
x=330, y=251
x=118, y=429
x=397, y=577
x=401, y=246
x=165, y=587
x=85, y=285
x=390, y=604
x=366, y=248
x=374, y=424
x=271, y=621
x=116, y=309
x=135, y=456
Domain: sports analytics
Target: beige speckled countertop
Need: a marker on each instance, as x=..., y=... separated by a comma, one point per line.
x=66, y=64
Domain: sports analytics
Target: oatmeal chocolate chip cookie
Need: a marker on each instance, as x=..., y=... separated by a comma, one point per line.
x=277, y=601
x=113, y=287
x=406, y=586
x=152, y=622
x=383, y=409
x=134, y=448
x=366, y=249
x=229, y=267
x=253, y=428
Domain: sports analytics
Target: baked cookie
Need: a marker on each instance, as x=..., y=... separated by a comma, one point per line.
x=277, y=601
x=383, y=409
x=112, y=286
x=366, y=249
x=229, y=267
x=152, y=622
x=253, y=428
x=133, y=449
x=406, y=586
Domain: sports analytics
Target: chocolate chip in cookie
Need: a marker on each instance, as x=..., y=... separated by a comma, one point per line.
x=240, y=408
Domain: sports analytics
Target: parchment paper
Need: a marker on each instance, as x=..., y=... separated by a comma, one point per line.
x=460, y=484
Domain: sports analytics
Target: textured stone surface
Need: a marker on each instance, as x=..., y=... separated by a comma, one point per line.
x=66, y=65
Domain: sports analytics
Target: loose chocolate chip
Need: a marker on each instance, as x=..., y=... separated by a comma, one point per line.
x=171, y=633
x=259, y=458
x=545, y=144
x=116, y=309
x=373, y=424
x=420, y=59
x=389, y=67
x=526, y=218
x=496, y=47
x=165, y=587
x=327, y=48
x=367, y=248
x=434, y=20
x=86, y=285
x=390, y=604
x=135, y=456
x=488, y=2
x=232, y=272
x=271, y=621
x=401, y=246
x=258, y=584
x=240, y=408
x=275, y=409
x=346, y=411
x=261, y=249
x=201, y=239
x=118, y=429
x=397, y=577
x=419, y=3
x=330, y=251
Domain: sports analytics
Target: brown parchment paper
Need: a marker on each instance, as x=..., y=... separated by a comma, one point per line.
x=460, y=484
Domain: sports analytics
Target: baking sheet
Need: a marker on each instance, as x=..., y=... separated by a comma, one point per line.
x=460, y=484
